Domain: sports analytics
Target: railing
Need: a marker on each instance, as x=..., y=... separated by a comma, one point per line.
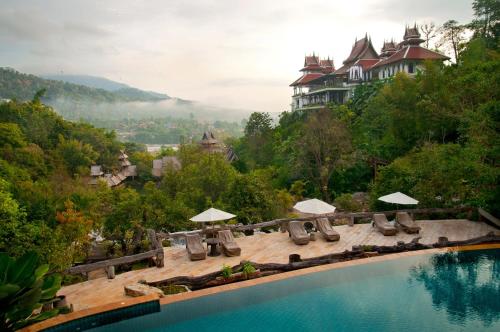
x=109, y=265
x=488, y=216
x=351, y=216
x=328, y=86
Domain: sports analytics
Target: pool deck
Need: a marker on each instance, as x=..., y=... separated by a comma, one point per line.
x=263, y=248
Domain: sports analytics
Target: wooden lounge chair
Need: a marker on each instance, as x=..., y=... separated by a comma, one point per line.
x=195, y=248
x=383, y=226
x=325, y=228
x=298, y=232
x=407, y=223
x=229, y=246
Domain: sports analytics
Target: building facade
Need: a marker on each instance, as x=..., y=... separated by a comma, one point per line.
x=320, y=85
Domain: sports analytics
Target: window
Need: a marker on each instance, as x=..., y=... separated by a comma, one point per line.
x=411, y=68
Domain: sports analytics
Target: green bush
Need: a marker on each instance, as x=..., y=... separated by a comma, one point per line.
x=248, y=269
x=345, y=202
x=227, y=271
x=25, y=287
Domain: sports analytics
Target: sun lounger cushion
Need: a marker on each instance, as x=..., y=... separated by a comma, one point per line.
x=195, y=248
x=326, y=229
x=382, y=225
x=229, y=245
x=298, y=232
x=407, y=223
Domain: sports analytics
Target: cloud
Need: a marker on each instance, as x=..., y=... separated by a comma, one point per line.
x=246, y=81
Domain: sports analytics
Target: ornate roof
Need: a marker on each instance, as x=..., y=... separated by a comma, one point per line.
x=362, y=49
x=412, y=36
x=327, y=66
x=306, y=79
x=412, y=52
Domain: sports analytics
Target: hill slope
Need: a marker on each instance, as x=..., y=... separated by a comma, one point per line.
x=16, y=85
x=118, y=88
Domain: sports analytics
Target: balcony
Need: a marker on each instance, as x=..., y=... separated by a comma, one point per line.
x=334, y=86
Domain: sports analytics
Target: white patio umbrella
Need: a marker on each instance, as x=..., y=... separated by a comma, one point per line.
x=398, y=198
x=314, y=206
x=212, y=215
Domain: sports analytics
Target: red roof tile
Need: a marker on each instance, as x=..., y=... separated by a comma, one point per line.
x=366, y=63
x=412, y=52
x=306, y=79
x=359, y=49
x=312, y=67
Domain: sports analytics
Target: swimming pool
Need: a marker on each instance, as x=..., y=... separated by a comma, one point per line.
x=455, y=291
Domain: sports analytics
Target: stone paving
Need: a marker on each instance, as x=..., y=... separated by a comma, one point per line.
x=263, y=248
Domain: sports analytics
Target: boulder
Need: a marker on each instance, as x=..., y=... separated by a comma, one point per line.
x=137, y=289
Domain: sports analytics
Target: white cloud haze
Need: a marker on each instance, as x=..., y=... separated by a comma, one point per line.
x=229, y=53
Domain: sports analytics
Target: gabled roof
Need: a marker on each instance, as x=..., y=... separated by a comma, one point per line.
x=360, y=49
x=306, y=79
x=311, y=60
x=327, y=66
x=208, y=138
x=412, y=36
x=311, y=63
x=412, y=52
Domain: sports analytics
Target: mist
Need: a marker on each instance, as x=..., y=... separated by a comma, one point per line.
x=87, y=110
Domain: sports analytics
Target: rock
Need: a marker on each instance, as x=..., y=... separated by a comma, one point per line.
x=136, y=290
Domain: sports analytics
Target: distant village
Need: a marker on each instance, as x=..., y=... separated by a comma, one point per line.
x=321, y=83
x=208, y=144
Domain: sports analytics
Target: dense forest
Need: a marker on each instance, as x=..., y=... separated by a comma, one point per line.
x=435, y=137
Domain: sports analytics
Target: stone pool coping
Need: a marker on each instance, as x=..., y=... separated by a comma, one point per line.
x=242, y=284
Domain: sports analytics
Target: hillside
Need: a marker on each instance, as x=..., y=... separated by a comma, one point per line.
x=16, y=85
x=118, y=88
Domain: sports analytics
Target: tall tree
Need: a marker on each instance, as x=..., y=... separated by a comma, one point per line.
x=452, y=36
x=486, y=23
x=429, y=30
x=324, y=145
x=258, y=139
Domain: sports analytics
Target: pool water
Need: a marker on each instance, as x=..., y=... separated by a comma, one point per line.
x=456, y=291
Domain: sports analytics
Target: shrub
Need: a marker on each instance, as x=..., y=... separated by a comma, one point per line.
x=248, y=269
x=347, y=203
x=227, y=271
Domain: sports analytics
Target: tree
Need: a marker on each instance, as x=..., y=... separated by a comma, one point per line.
x=324, y=145
x=429, y=31
x=439, y=175
x=11, y=134
x=76, y=155
x=251, y=199
x=73, y=229
x=452, y=36
x=257, y=142
x=486, y=23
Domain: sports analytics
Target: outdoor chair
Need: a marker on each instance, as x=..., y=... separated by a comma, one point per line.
x=326, y=229
x=298, y=232
x=229, y=245
x=195, y=248
x=407, y=223
x=382, y=225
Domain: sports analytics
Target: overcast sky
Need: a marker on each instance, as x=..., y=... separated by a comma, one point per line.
x=233, y=53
